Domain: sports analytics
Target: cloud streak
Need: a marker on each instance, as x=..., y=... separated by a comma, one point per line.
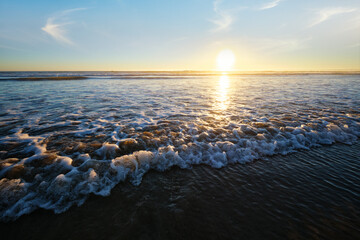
x=224, y=18
x=327, y=13
x=56, y=27
x=271, y=4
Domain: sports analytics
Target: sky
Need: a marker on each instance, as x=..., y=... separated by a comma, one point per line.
x=130, y=35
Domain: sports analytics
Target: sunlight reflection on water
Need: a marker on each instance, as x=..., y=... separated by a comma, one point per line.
x=222, y=97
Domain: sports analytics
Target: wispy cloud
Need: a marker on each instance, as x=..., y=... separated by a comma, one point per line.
x=327, y=13
x=56, y=26
x=271, y=4
x=57, y=31
x=223, y=18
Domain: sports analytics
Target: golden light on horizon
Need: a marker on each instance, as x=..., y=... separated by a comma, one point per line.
x=225, y=60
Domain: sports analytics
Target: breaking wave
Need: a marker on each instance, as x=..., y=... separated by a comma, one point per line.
x=59, y=171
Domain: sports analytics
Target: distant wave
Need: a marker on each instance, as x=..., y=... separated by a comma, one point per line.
x=44, y=78
x=76, y=75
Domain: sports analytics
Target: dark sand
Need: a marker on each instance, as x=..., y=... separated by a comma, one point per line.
x=306, y=195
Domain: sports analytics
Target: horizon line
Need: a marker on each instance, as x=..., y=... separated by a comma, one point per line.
x=191, y=70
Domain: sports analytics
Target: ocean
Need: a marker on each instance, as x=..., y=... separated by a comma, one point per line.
x=200, y=154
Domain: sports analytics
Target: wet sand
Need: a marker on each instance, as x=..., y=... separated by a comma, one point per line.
x=306, y=195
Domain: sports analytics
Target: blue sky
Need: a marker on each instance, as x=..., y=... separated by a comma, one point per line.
x=179, y=35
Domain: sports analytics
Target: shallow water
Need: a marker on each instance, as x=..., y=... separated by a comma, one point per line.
x=62, y=140
x=306, y=195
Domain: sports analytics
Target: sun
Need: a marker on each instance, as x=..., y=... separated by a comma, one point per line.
x=225, y=60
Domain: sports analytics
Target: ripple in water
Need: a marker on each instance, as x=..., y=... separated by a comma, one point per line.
x=61, y=141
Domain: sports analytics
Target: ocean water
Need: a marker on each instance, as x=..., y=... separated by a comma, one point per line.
x=61, y=141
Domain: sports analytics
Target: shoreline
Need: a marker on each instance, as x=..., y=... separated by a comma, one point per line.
x=167, y=205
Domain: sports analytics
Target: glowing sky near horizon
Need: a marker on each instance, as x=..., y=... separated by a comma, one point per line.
x=179, y=35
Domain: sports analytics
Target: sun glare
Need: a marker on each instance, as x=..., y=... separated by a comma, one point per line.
x=225, y=60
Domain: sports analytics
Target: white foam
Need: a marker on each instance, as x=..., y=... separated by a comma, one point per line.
x=108, y=151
